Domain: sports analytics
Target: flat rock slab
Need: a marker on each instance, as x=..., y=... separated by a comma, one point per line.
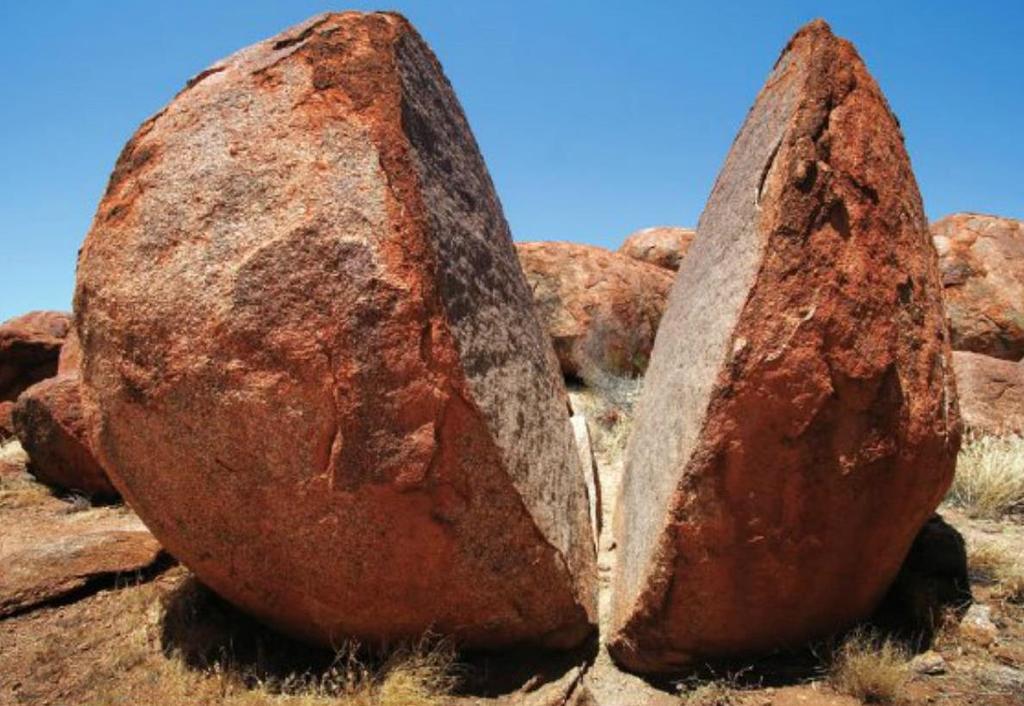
x=47, y=552
x=310, y=358
x=982, y=263
x=798, y=422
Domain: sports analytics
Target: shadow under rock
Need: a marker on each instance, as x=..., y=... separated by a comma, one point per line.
x=208, y=633
x=932, y=584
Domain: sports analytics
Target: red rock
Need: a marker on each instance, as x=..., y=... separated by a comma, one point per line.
x=982, y=263
x=310, y=358
x=601, y=309
x=991, y=393
x=29, y=347
x=48, y=552
x=49, y=423
x=798, y=423
x=664, y=246
x=70, y=360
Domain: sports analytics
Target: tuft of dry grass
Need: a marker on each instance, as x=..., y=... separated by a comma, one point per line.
x=1000, y=565
x=989, y=480
x=870, y=668
x=713, y=693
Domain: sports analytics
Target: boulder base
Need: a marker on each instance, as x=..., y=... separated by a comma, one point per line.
x=798, y=423
x=310, y=359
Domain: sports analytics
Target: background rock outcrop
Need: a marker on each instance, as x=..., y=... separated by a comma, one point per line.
x=49, y=423
x=982, y=261
x=991, y=393
x=29, y=347
x=664, y=246
x=798, y=423
x=601, y=309
x=310, y=359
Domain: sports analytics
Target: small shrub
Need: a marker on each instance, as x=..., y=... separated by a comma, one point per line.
x=870, y=668
x=989, y=480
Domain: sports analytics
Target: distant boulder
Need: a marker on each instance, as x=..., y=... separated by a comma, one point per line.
x=29, y=347
x=982, y=263
x=664, y=246
x=602, y=309
x=991, y=393
x=49, y=423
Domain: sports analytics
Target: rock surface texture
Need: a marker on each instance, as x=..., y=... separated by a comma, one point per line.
x=51, y=552
x=311, y=361
x=783, y=460
x=991, y=393
x=982, y=263
x=602, y=309
x=49, y=423
x=29, y=348
x=664, y=246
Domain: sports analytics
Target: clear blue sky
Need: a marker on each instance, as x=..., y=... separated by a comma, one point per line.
x=595, y=118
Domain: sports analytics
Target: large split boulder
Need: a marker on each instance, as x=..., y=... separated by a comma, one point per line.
x=601, y=309
x=991, y=393
x=664, y=246
x=310, y=358
x=29, y=347
x=798, y=423
x=982, y=262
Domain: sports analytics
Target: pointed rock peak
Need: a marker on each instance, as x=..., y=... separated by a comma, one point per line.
x=800, y=387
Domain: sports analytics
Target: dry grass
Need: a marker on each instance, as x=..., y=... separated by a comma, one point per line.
x=870, y=668
x=999, y=565
x=131, y=662
x=989, y=480
x=713, y=693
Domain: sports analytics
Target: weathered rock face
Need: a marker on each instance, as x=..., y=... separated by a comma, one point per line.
x=49, y=423
x=601, y=309
x=311, y=360
x=70, y=360
x=29, y=347
x=783, y=460
x=991, y=393
x=982, y=263
x=664, y=246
